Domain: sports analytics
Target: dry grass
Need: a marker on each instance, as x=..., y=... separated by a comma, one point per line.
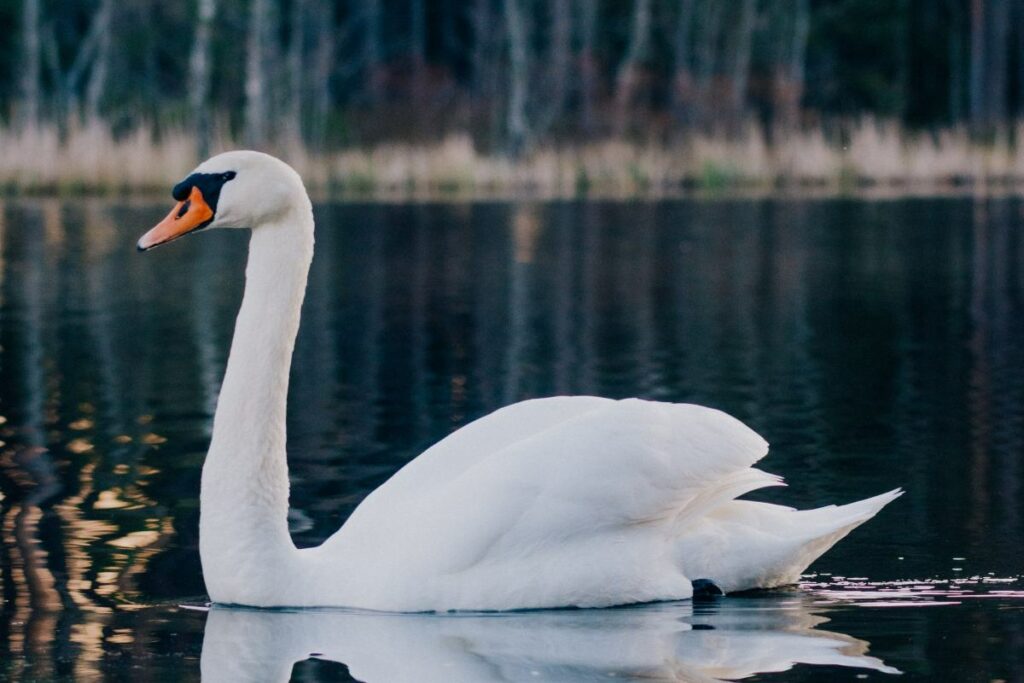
x=92, y=160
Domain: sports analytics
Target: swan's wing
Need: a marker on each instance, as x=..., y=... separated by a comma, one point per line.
x=468, y=446
x=620, y=463
x=545, y=472
x=593, y=444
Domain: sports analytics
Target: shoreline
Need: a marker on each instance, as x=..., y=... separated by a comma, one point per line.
x=876, y=159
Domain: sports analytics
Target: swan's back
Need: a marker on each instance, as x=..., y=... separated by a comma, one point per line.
x=568, y=501
x=569, y=465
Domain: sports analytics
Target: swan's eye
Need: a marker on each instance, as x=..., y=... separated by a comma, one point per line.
x=209, y=184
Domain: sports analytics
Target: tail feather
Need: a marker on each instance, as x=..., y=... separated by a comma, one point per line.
x=849, y=516
x=744, y=544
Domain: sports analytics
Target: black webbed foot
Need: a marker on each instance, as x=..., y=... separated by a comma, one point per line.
x=705, y=588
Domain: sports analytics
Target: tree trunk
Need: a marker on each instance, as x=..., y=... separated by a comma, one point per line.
x=997, y=67
x=558, y=64
x=418, y=49
x=97, y=86
x=1018, y=21
x=518, y=130
x=61, y=96
x=483, y=20
x=798, y=51
x=741, y=59
x=707, y=59
x=788, y=81
x=587, y=11
x=956, y=62
x=682, y=58
x=976, y=80
x=199, y=77
x=322, y=69
x=67, y=84
x=629, y=71
x=150, y=91
x=256, y=113
x=373, y=61
x=28, y=115
x=296, y=68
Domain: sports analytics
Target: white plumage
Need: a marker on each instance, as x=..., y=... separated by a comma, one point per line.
x=582, y=501
x=579, y=500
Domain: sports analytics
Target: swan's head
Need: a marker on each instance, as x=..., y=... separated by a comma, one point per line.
x=240, y=189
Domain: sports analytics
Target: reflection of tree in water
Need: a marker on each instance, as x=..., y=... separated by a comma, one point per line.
x=66, y=432
x=30, y=478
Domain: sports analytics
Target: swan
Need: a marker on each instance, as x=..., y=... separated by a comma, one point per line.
x=564, y=501
x=662, y=642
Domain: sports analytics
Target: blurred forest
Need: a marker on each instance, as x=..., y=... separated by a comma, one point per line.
x=508, y=78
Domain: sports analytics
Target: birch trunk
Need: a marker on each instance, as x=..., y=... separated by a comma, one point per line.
x=741, y=59
x=483, y=19
x=518, y=131
x=798, y=58
x=682, y=58
x=296, y=67
x=323, y=67
x=61, y=102
x=256, y=114
x=68, y=83
x=558, y=65
x=97, y=86
x=707, y=60
x=788, y=81
x=587, y=11
x=629, y=71
x=30, y=67
x=199, y=77
x=976, y=78
x=997, y=64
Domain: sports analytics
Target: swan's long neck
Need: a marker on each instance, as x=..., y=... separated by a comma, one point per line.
x=244, y=496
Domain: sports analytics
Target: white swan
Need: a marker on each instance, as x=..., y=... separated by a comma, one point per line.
x=665, y=642
x=553, y=502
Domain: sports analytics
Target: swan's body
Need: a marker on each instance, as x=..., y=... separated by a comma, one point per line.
x=553, y=502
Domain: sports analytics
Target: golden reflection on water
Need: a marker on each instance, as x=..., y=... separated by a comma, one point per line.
x=95, y=584
x=36, y=602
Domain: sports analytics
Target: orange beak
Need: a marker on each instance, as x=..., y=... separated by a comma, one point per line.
x=187, y=216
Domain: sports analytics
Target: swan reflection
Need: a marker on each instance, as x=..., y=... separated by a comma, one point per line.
x=730, y=639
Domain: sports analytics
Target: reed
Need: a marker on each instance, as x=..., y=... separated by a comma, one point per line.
x=90, y=159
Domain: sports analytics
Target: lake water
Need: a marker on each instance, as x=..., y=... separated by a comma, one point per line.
x=875, y=344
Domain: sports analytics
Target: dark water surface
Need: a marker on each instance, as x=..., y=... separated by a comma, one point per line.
x=875, y=344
